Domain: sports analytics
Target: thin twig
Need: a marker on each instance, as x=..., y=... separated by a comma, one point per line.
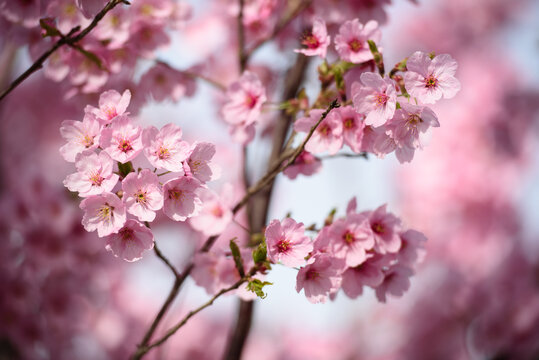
x=165, y=260
x=241, y=39
x=70, y=39
x=364, y=155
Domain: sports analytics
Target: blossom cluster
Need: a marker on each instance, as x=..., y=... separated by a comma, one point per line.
x=108, y=136
x=369, y=248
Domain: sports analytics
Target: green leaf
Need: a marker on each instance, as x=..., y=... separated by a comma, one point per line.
x=237, y=257
x=125, y=168
x=256, y=285
x=48, y=25
x=92, y=57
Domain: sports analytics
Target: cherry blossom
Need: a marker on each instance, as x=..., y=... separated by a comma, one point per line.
x=429, y=79
x=396, y=282
x=143, y=195
x=216, y=212
x=375, y=97
x=81, y=136
x=384, y=227
x=318, y=279
x=316, y=41
x=287, y=242
x=111, y=104
x=244, y=99
x=104, y=213
x=130, y=241
x=328, y=134
x=198, y=162
x=164, y=148
x=182, y=199
x=94, y=175
x=351, y=42
x=351, y=239
x=353, y=124
x=122, y=140
x=306, y=164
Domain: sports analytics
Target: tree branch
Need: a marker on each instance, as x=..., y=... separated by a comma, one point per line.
x=70, y=39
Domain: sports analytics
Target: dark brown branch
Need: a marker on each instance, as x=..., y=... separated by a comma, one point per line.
x=165, y=260
x=70, y=39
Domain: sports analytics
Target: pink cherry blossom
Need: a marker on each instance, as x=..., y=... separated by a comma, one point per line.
x=396, y=282
x=94, y=175
x=368, y=273
x=351, y=239
x=385, y=144
x=244, y=99
x=353, y=124
x=164, y=148
x=131, y=241
x=143, y=195
x=429, y=79
x=317, y=41
x=376, y=97
x=287, y=243
x=163, y=82
x=318, y=279
x=111, y=104
x=104, y=213
x=182, y=198
x=122, y=140
x=385, y=227
x=216, y=212
x=328, y=134
x=409, y=121
x=81, y=136
x=351, y=43
x=412, y=250
x=306, y=164
x=198, y=162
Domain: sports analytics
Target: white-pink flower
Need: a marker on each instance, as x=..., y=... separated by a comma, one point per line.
x=317, y=41
x=368, y=273
x=164, y=148
x=182, y=198
x=131, y=241
x=306, y=164
x=409, y=121
x=111, y=104
x=143, y=195
x=319, y=279
x=328, y=134
x=122, y=140
x=429, y=79
x=198, y=162
x=351, y=43
x=81, y=136
x=244, y=99
x=94, y=175
x=396, y=282
x=353, y=125
x=104, y=213
x=351, y=239
x=287, y=243
x=216, y=212
x=376, y=97
x=385, y=229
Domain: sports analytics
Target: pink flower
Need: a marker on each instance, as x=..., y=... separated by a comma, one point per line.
x=94, y=175
x=130, y=241
x=351, y=43
x=111, y=104
x=318, y=279
x=376, y=98
x=317, y=41
x=396, y=282
x=351, y=238
x=385, y=228
x=198, y=162
x=104, y=213
x=369, y=273
x=328, y=134
x=81, y=136
x=409, y=121
x=287, y=243
x=164, y=148
x=142, y=194
x=352, y=127
x=244, y=100
x=182, y=198
x=306, y=164
x=412, y=250
x=429, y=79
x=122, y=140
x=216, y=212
